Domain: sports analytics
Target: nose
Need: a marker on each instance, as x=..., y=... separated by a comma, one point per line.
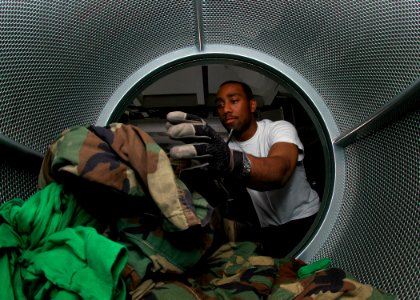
x=226, y=108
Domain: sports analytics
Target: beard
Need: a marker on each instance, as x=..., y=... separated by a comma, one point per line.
x=240, y=127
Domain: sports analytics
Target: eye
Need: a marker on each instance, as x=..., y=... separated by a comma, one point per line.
x=219, y=104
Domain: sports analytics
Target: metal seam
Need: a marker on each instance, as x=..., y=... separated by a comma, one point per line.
x=19, y=148
x=397, y=107
x=199, y=25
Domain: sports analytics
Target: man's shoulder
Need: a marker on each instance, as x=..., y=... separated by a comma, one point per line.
x=269, y=124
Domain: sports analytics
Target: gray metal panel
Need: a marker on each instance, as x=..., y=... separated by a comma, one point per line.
x=61, y=60
x=357, y=54
x=16, y=181
x=376, y=234
x=65, y=63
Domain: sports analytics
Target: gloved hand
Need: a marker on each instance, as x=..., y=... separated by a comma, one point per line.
x=204, y=144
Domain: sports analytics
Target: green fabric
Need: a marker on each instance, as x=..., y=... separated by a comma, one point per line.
x=49, y=248
x=77, y=256
x=309, y=270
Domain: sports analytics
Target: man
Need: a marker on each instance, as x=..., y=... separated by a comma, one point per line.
x=267, y=156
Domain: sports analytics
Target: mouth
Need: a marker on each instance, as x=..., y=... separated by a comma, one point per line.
x=229, y=121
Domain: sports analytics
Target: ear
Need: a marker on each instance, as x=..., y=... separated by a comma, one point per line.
x=253, y=105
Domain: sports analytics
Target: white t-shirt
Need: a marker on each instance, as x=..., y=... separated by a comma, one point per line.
x=296, y=199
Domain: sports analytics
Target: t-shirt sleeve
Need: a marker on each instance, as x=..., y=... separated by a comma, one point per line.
x=284, y=131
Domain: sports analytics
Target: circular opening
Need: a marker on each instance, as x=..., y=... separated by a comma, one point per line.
x=191, y=87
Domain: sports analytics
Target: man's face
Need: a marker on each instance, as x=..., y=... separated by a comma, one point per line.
x=234, y=109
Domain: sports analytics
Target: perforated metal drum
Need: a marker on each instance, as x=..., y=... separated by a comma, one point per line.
x=66, y=63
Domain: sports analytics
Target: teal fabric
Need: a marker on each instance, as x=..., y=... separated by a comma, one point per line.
x=49, y=248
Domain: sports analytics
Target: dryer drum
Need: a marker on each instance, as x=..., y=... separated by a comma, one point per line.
x=354, y=65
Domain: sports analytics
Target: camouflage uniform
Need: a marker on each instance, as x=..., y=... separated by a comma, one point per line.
x=126, y=159
x=235, y=271
x=167, y=254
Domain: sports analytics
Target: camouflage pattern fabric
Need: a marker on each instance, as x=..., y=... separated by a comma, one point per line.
x=236, y=272
x=328, y=284
x=124, y=158
x=153, y=252
x=168, y=255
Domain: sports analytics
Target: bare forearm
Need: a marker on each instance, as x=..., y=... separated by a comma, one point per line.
x=268, y=172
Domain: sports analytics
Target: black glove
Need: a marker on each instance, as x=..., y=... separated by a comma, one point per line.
x=204, y=144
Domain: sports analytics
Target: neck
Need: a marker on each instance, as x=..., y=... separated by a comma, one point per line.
x=248, y=133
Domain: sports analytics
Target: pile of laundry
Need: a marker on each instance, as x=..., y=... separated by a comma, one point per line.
x=113, y=220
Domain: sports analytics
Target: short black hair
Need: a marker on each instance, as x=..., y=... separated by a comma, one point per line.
x=247, y=89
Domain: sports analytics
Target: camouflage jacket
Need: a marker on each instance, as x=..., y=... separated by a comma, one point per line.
x=124, y=158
